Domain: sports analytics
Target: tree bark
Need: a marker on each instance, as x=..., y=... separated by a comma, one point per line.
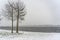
x=12, y=21
x=17, y=24
x=17, y=21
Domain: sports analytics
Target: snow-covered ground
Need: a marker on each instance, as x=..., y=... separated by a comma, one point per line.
x=23, y=35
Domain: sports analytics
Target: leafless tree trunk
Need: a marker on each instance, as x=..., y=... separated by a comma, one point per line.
x=17, y=24
x=17, y=18
x=12, y=21
x=11, y=5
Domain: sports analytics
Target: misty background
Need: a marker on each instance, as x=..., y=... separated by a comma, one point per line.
x=39, y=12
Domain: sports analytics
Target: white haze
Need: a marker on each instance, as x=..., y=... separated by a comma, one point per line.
x=39, y=12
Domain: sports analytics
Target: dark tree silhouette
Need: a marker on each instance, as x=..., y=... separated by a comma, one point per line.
x=15, y=11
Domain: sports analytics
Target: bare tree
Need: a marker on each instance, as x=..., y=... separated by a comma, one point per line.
x=15, y=11
x=8, y=12
x=19, y=8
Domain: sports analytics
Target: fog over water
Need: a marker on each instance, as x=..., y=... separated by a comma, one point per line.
x=39, y=12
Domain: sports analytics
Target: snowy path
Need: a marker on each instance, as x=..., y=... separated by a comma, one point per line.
x=6, y=35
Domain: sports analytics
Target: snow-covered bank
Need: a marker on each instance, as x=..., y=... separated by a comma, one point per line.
x=6, y=35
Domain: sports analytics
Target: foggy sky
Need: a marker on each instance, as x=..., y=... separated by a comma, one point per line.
x=39, y=12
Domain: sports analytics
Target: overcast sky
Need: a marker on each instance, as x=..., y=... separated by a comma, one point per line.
x=39, y=12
